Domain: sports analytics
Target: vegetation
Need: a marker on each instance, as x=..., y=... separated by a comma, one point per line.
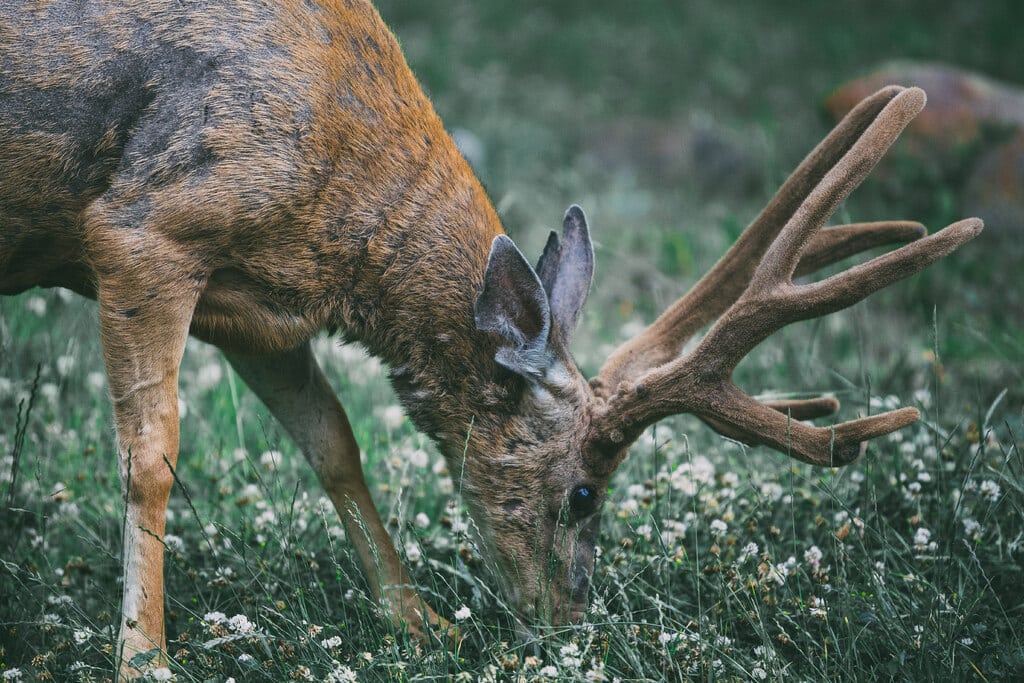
x=717, y=562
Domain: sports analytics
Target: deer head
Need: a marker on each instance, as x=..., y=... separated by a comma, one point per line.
x=537, y=501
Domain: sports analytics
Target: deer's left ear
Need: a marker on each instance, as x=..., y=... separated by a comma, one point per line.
x=513, y=305
x=566, y=269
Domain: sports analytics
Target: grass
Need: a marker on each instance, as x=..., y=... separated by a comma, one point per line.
x=906, y=565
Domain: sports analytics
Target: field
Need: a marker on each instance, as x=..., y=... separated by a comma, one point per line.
x=718, y=562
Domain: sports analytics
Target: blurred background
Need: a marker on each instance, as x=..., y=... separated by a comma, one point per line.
x=672, y=123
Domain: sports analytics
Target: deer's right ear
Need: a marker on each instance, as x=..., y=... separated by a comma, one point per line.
x=514, y=305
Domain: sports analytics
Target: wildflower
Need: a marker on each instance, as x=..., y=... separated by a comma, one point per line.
x=921, y=539
x=247, y=660
x=413, y=552
x=215, y=617
x=331, y=643
x=65, y=364
x=49, y=391
x=549, y=672
x=341, y=674
x=812, y=556
x=971, y=528
x=161, y=674
x=81, y=636
x=628, y=507
x=758, y=674
x=392, y=417
x=672, y=532
x=718, y=527
x=463, y=613
x=644, y=531
x=96, y=381
x=12, y=674
x=771, y=490
x=748, y=551
x=270, y=459
x=419, y=458
x=241, y=624
x=596, y=672
x=571, y=658
x=421, y=520
x=174, y=543
x=817, y=606
x=209, y=376
x=990, y=490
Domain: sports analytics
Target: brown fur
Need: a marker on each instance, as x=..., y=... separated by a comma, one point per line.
x=254, y=172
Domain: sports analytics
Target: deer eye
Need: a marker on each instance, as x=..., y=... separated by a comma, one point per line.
x=582, y=500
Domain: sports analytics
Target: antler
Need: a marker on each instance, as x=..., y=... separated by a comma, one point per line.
x=752, y=289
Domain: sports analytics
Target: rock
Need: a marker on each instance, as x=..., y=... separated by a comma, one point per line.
x=961, y=104
x=972, y=132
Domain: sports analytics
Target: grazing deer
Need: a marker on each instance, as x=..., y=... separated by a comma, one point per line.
x=252, y=172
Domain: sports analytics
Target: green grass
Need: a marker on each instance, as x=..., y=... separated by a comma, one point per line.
x=679, y=593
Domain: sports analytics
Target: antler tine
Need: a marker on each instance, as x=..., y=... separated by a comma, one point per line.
x=832, y=245
x=701, y=382
x=780, y=259
x=724, y=283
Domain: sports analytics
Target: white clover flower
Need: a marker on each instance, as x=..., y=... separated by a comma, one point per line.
x=49, y=391
x=215, y=617
x=271, y=459
x=570, y=654
x=392, y=417
x=629, y=507
x=772, y=490
x=419, y=458
x=65, y=364
x=596, y=672
x=421, y=520
x=246, y=659
x=758, y=674
x=817, y=607
x=413, y=552
x=812, y=556
x=81, y=636
x=12, y=674
x=971, y=528
x=748, y=551
x=549, y=671
x=718, y=527
x=644, y=531
x=990, y=490
x=922, y=536
x=341, y=674
x=161, y=674
x=332, y=642
x=241, y=624
x=174, y=543
x=463, y=613
x=97, y=381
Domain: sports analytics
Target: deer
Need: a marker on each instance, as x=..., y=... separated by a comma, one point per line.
x=252, y=173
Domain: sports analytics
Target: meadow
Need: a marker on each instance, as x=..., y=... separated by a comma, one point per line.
x=717, y=562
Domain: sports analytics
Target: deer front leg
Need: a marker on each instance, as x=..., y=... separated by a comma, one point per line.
x=295, y=390
x=144, y=332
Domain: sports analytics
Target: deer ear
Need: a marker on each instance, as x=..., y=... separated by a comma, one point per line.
x=566, y=269
x=513, y=305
